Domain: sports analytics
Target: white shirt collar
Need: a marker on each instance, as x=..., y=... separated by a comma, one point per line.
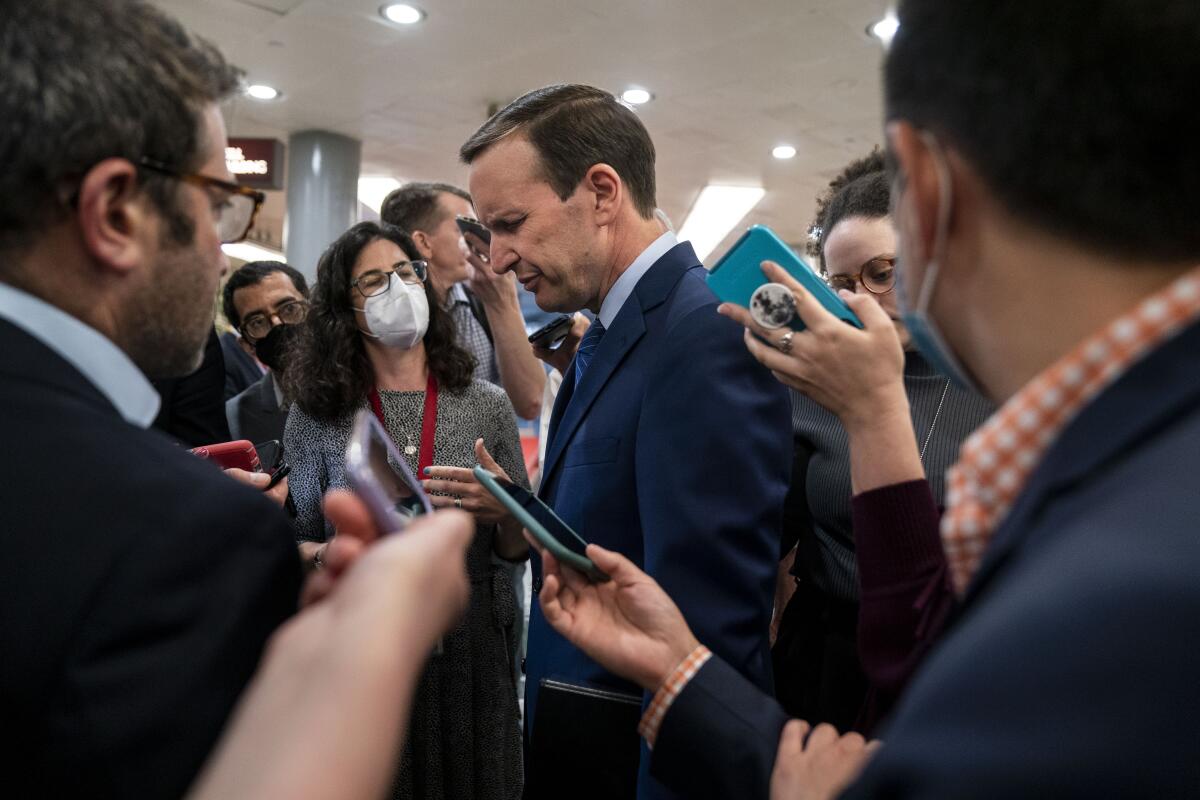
x=99, y=360
x=628, y=280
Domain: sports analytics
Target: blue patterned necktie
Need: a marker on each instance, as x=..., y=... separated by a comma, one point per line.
x=587, y=348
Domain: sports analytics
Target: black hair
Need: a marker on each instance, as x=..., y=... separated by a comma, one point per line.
x=83, y=82
x=1078, y=115
x=252, y=274
x=573, y=128
x=329, y=373
x=862, y=189
x=416, y=206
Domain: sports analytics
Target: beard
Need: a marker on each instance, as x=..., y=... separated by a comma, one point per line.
x=170, y=316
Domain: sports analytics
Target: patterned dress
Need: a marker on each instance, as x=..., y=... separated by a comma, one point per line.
x=464, y=738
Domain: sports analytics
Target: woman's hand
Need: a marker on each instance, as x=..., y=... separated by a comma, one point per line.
x=454, y=487
x=857, y=374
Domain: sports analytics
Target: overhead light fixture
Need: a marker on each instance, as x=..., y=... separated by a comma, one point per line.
x=783, y=152
x=885, y=29
x=373, y=189
x=716, y=211
x=248, y=251
x=402, y=13
x=636, y=96
x=260, y=91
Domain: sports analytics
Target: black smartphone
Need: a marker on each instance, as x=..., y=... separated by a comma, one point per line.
x=468, y=225
x=551, y=335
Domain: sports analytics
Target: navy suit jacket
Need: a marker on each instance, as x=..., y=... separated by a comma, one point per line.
x=138, y=587
x=1072, y=666
x=674, y=450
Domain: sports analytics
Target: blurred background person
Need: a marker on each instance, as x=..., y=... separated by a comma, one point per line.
x=265, y=302
x=375, y=338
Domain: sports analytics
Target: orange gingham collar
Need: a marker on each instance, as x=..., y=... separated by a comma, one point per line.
x=996, y=461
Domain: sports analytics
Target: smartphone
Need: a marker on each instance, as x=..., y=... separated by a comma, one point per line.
x=738, y=274
x=240, y=454
x=542, y=523
x=270, y=455
x=551, y=335
x=468, y=225
x=381, y=477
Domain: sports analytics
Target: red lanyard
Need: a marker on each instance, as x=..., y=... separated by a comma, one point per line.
x=428, y=423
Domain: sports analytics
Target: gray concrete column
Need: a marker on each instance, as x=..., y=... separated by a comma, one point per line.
x=322, y=194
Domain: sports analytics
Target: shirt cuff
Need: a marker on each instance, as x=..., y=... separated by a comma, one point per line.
x=671, y=689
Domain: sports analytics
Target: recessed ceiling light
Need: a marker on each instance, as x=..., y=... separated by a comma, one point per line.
x=885, y=29
x=716, y=211
x=260, y=91
x=783, y=152
x=402, y=13
x=248, y=251
x=636, y=97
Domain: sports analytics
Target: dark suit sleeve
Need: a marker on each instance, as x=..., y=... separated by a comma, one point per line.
x=713, y=459
x=720, y=737
x=173, y=638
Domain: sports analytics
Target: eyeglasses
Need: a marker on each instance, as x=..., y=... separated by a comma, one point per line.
x=257, y=325
x=236, y=212
x=878, y=276
x=376, y=281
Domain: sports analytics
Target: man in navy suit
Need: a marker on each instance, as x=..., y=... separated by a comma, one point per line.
x=1047, y=215
x=667, y=442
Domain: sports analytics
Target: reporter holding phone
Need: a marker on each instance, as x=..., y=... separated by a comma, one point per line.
x=875, y=427
x=376, y=338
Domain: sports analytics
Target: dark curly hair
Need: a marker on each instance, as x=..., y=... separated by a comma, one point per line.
x=862, y=189
x=330, y=374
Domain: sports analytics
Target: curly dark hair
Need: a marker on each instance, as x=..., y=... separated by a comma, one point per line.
x=330, y=374
x=862, y=189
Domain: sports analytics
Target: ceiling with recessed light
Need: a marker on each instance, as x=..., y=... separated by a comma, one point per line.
x=728, y=83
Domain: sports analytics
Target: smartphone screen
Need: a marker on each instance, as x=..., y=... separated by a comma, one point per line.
x=539, y=511
x=379, y=474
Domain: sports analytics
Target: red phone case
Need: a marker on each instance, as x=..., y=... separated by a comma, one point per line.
x=240, y=454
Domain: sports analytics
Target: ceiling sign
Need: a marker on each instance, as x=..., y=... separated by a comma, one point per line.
x=256, y=162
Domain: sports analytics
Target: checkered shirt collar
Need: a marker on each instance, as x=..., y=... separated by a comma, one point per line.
x=996, y=461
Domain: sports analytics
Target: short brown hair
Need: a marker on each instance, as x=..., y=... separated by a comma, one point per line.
x=573, y=128
x=415, y=207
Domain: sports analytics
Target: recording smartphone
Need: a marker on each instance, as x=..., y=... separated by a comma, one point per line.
x=381, y=477
x=468, y=225
x=542, y=523
x=270, y=455
x=551, y=335
x=227, y=455
x=738, y=274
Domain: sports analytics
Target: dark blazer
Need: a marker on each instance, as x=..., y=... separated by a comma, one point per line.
x=241, y=370
x=1071, y=667
x=193, y=406
x=675, y=450
x=138, y=586
x=254, y=414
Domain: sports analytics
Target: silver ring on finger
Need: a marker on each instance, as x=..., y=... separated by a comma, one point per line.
x=785, y=342
x=458, y=502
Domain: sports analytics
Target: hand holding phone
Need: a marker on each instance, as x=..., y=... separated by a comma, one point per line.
x=551, y=335
x=543, y=524
x=380, y=475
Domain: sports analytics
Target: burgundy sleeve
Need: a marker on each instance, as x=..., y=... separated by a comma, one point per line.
x=905, y=590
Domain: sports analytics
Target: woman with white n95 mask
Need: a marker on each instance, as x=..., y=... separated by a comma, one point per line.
x=374, y=339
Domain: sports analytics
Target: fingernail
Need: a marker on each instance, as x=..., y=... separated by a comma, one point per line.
x=427, y=471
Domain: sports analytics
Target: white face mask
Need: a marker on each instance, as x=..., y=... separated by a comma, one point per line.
x=399, y=317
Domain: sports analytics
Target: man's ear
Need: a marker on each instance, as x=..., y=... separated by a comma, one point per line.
x=606, y=191
x=916, y=209
x=424, y=245
x=117, y=221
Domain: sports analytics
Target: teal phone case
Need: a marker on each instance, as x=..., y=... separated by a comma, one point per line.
x=538, y=531
x=739, y=273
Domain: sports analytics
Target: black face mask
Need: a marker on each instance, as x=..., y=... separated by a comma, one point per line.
x=274, y=348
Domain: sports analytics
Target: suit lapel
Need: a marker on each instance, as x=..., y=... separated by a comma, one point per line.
x=1160, y=388
x=627, y=329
